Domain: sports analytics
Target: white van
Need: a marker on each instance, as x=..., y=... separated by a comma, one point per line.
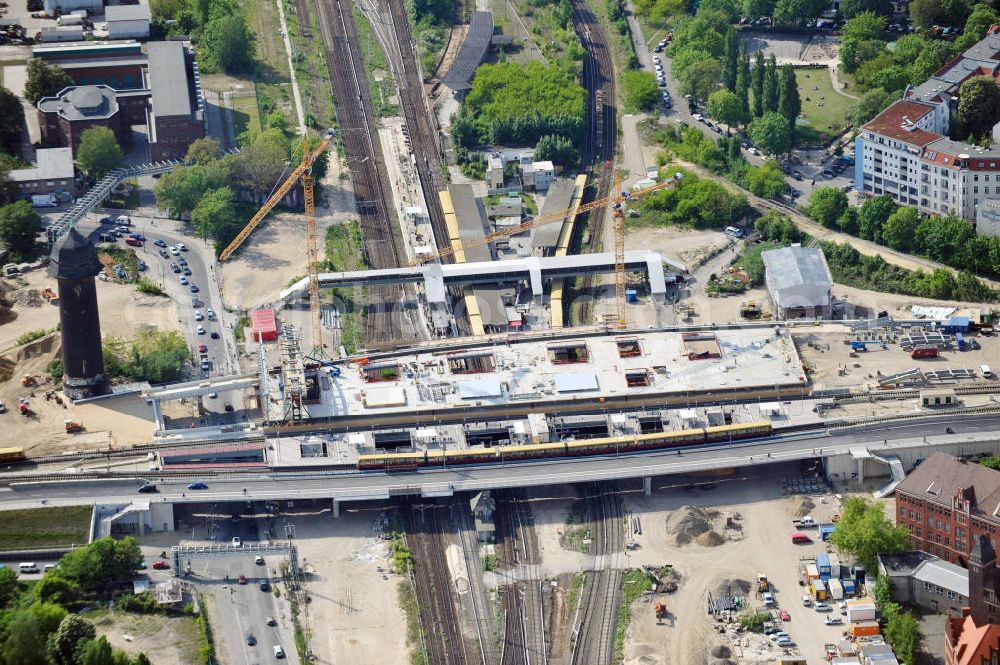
x=27, y=567
x=987, y=372
x=278, y=651
x=768, y=599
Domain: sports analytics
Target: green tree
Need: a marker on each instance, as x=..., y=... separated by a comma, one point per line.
x=826, y=205
x=772, y=86
x=99, y=152
x=73, y=630
x=44, y=80
x=227, y=44
x=19, y=224
x=214, y=213
x=11, y=122
x=867, y=25
x=945, y=239
x=851, y=8
x=8, y=586
x=203, y=151
x=976, y=26
x=767, y=181
x=873, y=215
x=902, y=631
x=979, y=104
x=142, y=659
x=701, y=79
x=789, y=104
x=755, y=9
x=730, y=58
x=106, y=561
x=725, y=106
x=869, y=105
x=259, y=165
x=924, y=12
x=771, y=133
x=757, y=83
x=894, y=79
x=157, y=356
x=54, y=588
x=558, y=149
x=321, y=165
x=864, y=532
x=862, y=39
x=640, y=90
x=463, y=130
x=797, y=12
x=97, y=652
x=180, y=190
x=27, y=632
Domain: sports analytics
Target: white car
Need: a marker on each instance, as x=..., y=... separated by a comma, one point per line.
x=833, y=621
x=237, y=542
x=200, y=330
x=124, y=220
x=198, y=316
x=786, y=643
x=753, y=151
x=174, y=251
x=822, y=607
x=181, y=246
x=184, y=281
x=781, y=635
x=699, y=117
x=656, y=59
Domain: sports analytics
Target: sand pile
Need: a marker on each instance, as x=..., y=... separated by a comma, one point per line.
x=687, y=523
x=721, y=651
x=710, y=539
x=721, y=661
x=800, y=506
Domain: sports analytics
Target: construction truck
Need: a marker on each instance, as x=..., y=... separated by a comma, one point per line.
x=763, y=586
x=29, y=381
x=24, y=409
x=73, y=426
x=750, y=310
x=661, y=611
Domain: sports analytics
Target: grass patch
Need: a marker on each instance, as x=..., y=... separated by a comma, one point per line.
x=125, y=257
x=490, y=562
x=821, y=123
x=345, y=251
x=379, y=80
x=637, y=582
x=206, y=647
x=37, y=528
x=414, y=631
x=575, y=587
x=576, y=535
x=149, y=287
x=551, y=28
x=238, y=331
x=246, y=114
x=310, y=66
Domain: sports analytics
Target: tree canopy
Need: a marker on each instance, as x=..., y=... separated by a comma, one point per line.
x=203, y=150
x=726, y=107
x=99, y=152
x=640, y=91
x=153, y=355
x=771, y=133
x=826, y=205
x=864, y=531
x=227, y=44
x=180, y=190
x=19, y=224
x=11, y=122
x=514, y=104
x=979, y=105
x=214, y=215
x=559, y=150
x=44, y=80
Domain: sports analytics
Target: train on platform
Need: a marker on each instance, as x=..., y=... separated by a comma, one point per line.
x=410, y=461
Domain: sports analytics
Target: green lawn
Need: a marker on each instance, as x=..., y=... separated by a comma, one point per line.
x=44, y=527
x=246, y=114
x=825, y=109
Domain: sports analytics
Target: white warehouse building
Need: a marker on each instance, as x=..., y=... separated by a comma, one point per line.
x=798, y=282
x=53, y=7
x=128, y=21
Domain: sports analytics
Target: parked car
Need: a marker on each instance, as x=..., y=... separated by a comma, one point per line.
x=214, y=335
x=833, y=621
x=197, y=486
x=184, y=280
x=160, y=564
x=159, y=243
x=785, y=616
x=198, y=316
x=164, y=254
x=237, y=543
x=270, y=621
x=251, y=640
x=203, y=348
x=147, y=488
x=194, y=288
x=200, y=330
x=265, y=585
x=107, y=220
x=176, y=268
x=242, y=579
x=822, y=607
x=259, y=560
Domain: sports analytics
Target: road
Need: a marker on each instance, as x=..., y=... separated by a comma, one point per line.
x=217, y=336
x=880, y=438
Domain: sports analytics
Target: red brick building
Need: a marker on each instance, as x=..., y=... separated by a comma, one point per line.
x=974, y=637
x=946, y=503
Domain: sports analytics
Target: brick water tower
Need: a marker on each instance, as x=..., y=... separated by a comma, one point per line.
x=74, y=264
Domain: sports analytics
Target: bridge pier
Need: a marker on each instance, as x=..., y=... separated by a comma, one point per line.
x=336, y=508
x=157, y=414
x=647, y=485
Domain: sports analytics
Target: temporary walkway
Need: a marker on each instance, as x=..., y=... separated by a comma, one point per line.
x=534, y=270
x=898, y=474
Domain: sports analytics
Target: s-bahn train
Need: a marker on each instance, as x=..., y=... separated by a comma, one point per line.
x=583, y=448
x=12, y=455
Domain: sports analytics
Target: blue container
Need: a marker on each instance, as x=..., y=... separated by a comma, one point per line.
x=631, y=296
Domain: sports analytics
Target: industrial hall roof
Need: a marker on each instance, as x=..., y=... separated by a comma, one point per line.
x=477, y=40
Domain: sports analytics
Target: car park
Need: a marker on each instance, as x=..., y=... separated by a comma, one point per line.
x=197, y=486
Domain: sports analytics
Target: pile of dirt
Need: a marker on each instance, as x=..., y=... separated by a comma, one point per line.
x=27, y=298
x=800, y=506
x=721, y=651
x=687, y=523
x=710, y=539
x=731, y=587
x=721, y=661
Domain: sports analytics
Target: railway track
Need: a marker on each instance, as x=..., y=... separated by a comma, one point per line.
x=595, y=643
x=373, y=199
x=600, y=140
x=517, y=546
x=424, y=138
x=425, y=534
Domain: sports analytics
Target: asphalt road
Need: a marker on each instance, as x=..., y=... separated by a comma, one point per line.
x=347, y=487
x=202, y=275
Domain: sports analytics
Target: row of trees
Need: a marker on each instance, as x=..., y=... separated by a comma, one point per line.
x=218, y=28
x=786, y=13
x=947, y=239
x=37, y=629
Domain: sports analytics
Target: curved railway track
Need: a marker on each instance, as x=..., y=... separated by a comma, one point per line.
x=373, y=200
x=600, y=141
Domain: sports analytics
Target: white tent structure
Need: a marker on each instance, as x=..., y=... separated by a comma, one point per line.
x=798, y=281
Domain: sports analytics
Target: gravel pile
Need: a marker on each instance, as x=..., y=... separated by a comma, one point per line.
x=27, y=298
x=710, y=539
x=732, y=587
x=800, y=506
x=687, y=523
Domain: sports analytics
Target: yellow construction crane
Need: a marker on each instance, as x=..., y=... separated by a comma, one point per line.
x=619, y=222
x=304, y=171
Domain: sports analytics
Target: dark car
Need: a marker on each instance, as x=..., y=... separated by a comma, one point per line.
x=164, y=254
x=187, y=271
x=194, y=288
x=229, y=407
x=159, y=243
x=796, y=175
x=251, y=640
x=265, y=585
x=198, y=486
x=147, y=488
x=176, y=268
x=214, y=335
x=107, y=220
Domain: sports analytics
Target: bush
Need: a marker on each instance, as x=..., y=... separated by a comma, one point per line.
x=148, y=286
x=754, y=621
x=206, y=649
x=31, y=336
x=141, y=603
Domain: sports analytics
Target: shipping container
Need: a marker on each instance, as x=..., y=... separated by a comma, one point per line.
x=823, y=566
x=924, y=352
x=865, y=629
x=834, y=566
x=836, y=589
x=861, y=609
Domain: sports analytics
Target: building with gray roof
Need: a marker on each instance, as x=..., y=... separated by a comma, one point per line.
x=127, y=21
x=923, y=579
x=798, y=282
x=53, y=172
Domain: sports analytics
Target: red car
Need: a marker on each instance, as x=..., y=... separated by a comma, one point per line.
x=160, y=564
x=203, y=348
x=243, y=579
x=785, y=616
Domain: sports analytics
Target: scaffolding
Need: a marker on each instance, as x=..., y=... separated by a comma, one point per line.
x=293, y=374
